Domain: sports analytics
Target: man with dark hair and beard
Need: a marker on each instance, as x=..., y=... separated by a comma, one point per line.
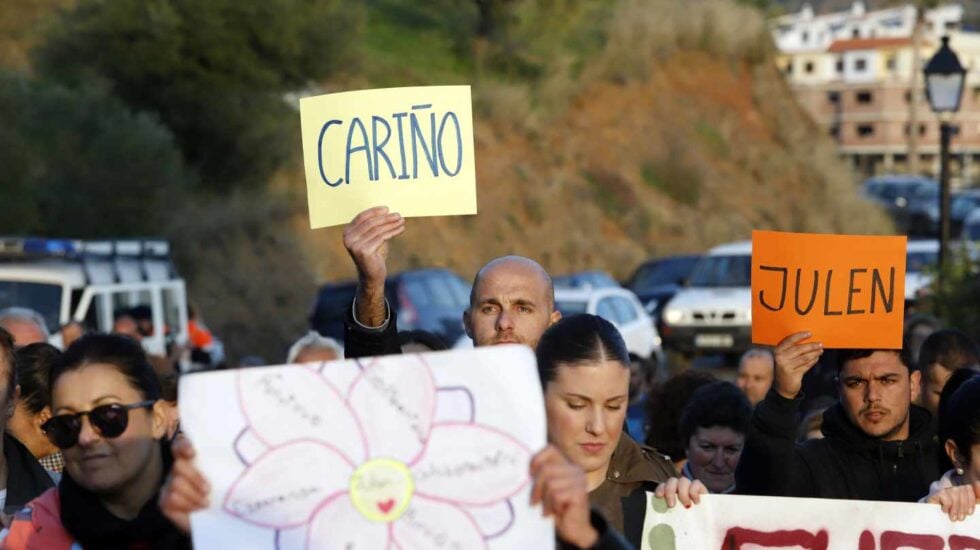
x=877, y=445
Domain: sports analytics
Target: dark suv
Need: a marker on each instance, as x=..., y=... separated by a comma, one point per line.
x=426, y=299
x=911, y=201
x=656, y=281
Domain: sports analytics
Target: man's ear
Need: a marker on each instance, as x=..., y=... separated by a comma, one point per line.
x=467, y=323
x=555, y=317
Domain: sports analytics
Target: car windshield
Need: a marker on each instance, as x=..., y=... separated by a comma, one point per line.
x=571, y=307
x=917, y=261
x=722, y=271
x=41, y=297
x=926, y=191
x=664, y=272
x=973, y=232
x=439, y=290
x=586, y=279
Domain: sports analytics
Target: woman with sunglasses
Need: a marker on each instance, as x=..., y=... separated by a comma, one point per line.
x=109, y=424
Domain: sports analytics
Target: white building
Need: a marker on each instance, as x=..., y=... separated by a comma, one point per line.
x=853, y=72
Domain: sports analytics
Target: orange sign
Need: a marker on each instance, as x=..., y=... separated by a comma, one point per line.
x=848, y=290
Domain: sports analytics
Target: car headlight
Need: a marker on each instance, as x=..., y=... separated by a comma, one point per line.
x=672, y=316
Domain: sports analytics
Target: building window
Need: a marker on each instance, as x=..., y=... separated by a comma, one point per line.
x=789, y=67
x=890, y=63
x=833, y=97
x=835, y=131
x=855, y=33
x=808, y=67
x=908, y=97
x=864, y=97
x=922, y=129
x=865, y=130
x=860, y=64
x=839, y=65
x=806, y=37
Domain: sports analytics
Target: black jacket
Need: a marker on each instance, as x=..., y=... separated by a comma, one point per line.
x=26, y=478
x=845, y=464
x=364, y=342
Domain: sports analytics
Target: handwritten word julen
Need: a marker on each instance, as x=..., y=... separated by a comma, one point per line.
x=390, y=147
x=823, y=292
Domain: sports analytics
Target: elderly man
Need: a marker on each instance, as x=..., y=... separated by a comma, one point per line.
x=313, y=347
x=877, y=445
x=755, y=372
x=25, y=325
x=512, y=300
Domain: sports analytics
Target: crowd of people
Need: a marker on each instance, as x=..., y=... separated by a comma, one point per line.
x=92, y=453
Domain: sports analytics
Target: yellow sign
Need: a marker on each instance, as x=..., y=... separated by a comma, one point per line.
x=410, y=149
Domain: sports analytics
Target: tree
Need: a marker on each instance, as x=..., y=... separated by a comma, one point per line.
x=79, y=163
x=214, y=72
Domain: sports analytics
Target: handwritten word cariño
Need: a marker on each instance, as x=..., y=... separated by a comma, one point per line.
x=414, y=138
x=464, y=467
x=738, y=537
x=247, y=508
x=272, y=386
x=854, y=286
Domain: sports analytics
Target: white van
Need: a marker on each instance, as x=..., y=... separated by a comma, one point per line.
x=87, y=281
x=713, y=312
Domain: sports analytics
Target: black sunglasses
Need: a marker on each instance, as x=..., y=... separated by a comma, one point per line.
x=109, y=420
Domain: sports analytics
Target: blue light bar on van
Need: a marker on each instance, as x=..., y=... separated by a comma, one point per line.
x=34, y=246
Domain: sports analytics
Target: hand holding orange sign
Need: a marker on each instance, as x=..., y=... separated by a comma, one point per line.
x=848, y=290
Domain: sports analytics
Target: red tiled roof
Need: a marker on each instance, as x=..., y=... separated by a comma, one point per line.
x=869, y=44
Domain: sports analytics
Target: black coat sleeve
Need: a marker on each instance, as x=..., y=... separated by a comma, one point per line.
x=770, y=463
x=360, y=341
x=609, y=538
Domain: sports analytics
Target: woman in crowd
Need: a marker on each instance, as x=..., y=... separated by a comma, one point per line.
x=33, y=408
x=109, y=424
x=584, y=367
x=664, y=408
x=959, y=489
x=713, y=426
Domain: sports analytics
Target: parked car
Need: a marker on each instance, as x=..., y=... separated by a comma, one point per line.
x=426, y=299
x=920, y=265
x=656, y=281
x=713, y=313
x=962, y=204
x=621, y=308
x=586, y=279
x=971, y=227
x=911, y=201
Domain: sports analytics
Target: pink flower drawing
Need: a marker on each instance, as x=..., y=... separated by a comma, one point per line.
x=372, y=467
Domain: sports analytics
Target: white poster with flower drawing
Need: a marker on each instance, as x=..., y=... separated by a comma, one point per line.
x=407, y=452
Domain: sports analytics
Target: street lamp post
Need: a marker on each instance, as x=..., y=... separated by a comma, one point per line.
x=944, y=77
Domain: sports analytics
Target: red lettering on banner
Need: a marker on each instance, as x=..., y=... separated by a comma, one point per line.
x=867, y=541
x=963, y=542
x=735, y=537
x=893, y=540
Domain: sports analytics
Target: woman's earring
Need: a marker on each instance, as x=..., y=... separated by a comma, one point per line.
x=959, y=471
